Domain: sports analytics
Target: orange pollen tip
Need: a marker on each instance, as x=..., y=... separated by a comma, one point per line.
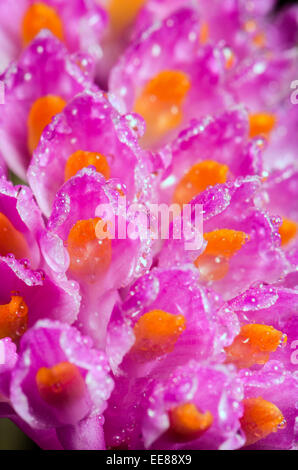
x=254, y=344
x=89, y=255
x=13, y=318
x=61, y=384
x=260, y=418
x=160, y=103
x=122, y=14
x=213, y=263
x=188, y=423
x=40, y=16
x=198, y=178
x=204, y=33
x=157, y=332
x=259, y=39
x=11, y=240
x=80, y=159
x=169, y=86
x=261, y=124
x=224, y=242
x=41, y=113
x=230, y=58
x=250, y=26
x=288, y=231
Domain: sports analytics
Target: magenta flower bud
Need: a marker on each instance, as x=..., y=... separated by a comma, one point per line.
x=37, y=87
x=79, y=26
x=70, y=380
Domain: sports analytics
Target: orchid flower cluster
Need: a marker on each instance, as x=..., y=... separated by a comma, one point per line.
x=132, y=343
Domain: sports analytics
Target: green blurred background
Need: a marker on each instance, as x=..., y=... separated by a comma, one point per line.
x=12, y=438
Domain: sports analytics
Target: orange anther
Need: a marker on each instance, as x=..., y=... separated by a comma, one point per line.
x=13, y=318
x=89, y=256
x=259, y=39
x=213, y=263
x=288, y=231
x=224, y=242
x=188, y=423
x=261, y=124
x=156, y=333
x=41, y=114
x=204, y=32
x=41, y=16
x=198, y=178
x=80, y=159
x=250, y=26
x=160, y=103
x=123, y=13
x=253, y=345
x=60, y=384
x=260, y=418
